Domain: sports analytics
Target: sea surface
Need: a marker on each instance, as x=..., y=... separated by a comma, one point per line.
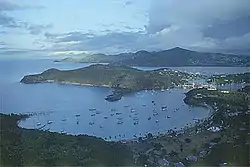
x=82, y=109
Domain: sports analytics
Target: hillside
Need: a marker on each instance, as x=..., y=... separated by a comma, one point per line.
x=23, y=147
x=121, y=78
x=172, y=57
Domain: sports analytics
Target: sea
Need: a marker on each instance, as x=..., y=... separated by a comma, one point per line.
x=75, y=110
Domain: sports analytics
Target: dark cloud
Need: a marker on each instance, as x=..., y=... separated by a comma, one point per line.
x=7, y=6
x=37, y=29
x=2, y=44
x=224, y=29
x=91, y=42
x=128, y=3
x=7, y=21
x=11, y=22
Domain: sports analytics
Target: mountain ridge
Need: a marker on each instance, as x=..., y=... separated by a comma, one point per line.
x=176, y=56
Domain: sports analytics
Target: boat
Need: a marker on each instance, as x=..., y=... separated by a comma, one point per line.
x=63, y=132
x=135, y=123
x=92, y=115
x=105, y=117
x=144, y=105
x=168, y=117
x=157, y=121
x=38, y=124
x=91, y=123
x=101, y=126
x=119, y=118
x=164, y=107
x=135, y=119
x=113, y=109
x=118, y=113
x=126, y=106
x=155, y=113
x=64, y=119
x=77, y=115
x=149, y=118
x=50, y=122
x=98, y=112
x=92, y=109
x=119, y=122
x=133, y=110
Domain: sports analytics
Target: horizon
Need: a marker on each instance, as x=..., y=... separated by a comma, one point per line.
x=44, y=29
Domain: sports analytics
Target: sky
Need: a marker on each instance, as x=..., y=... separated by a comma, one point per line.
x=51, y=28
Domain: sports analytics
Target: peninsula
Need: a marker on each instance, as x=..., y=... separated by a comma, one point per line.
x=122, y=79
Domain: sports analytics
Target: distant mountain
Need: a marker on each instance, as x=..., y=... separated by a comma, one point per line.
x=172, y=57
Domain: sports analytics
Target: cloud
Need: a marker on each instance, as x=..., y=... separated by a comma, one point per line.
x=8, y=6
x=11, y=22
x=207, y=25
x=127, y=3
x=7, y=21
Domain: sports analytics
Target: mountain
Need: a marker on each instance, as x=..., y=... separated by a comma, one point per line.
x=172, y=57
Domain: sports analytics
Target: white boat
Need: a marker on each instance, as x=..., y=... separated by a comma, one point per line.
x=63, y=132
x=119, y=122
x=133, y=110
x=50, y=122
x=155, y=113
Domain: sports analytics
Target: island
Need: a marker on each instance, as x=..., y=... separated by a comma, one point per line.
x=122, y=79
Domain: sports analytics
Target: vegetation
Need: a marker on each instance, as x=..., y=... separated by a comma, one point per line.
x=232, y=116
x=200, y=145
x=231, y=78
x=123, y=79
x=172, y=57
x=22, y=147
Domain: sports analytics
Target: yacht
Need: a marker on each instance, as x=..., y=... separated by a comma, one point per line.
x=155, y=113
x=119, y=122
x=50, y=122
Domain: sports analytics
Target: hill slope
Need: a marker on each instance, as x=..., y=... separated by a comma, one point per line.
x=172, y=57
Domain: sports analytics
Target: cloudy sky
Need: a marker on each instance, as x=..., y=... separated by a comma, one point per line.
x=35, y=28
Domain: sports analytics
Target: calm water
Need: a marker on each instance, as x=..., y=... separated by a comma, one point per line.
x=66, y=107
